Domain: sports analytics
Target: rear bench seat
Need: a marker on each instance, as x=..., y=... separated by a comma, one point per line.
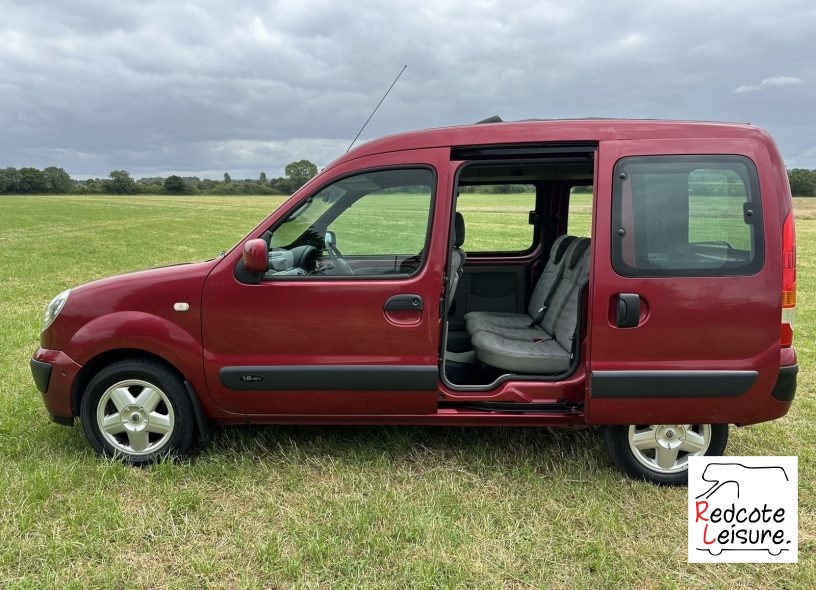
x=497, y=322
x=546, y=348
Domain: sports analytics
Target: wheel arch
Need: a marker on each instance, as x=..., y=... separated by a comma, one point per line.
x=102, y=360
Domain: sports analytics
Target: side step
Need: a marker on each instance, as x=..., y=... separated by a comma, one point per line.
x=517, y=407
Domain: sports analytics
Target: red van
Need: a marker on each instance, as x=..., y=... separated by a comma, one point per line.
x=634, y=275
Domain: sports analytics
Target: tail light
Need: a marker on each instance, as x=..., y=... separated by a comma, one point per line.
x=788, y=279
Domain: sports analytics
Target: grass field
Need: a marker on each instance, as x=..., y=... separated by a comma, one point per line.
x=308, y=507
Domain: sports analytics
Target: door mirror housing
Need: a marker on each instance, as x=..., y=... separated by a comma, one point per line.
x=255, y=256
x=330, y=239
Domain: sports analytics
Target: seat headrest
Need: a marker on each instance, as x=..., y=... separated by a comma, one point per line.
x=458, y=230
x=559, y=247
x=580, y=247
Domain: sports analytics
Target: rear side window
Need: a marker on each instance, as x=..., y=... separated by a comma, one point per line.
x=497, y=217
x=579, y=211
x=686, y=216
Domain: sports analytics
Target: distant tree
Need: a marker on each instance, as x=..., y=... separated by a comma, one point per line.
x=802, y=182
x=57, y=180
x=119, y=182
x=154, y=187
x=281, y=185
x=262, y=178
x=299, y=173
x=175, y=185
x=227, y=178
x=9, y=180
x=31, y=181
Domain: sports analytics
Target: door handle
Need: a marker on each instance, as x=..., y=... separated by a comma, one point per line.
x=628, y=312
x=404, y=302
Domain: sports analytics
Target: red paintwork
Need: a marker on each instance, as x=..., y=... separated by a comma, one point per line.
x=729, y=323
x=63, y=372
x=255, y=256
x=694, y=323
x=327, y=322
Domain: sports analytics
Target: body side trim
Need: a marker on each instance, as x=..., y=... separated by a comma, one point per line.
x=660, y=384
x=331, y=377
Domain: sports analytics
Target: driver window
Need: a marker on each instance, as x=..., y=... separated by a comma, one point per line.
x=366, y=225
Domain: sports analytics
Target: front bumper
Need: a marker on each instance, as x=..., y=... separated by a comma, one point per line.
x=42, y=374
x=54, y=374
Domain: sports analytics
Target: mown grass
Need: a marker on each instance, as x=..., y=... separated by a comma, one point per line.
x=309, y=507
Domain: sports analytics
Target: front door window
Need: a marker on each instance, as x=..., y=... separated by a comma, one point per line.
x=366, y=225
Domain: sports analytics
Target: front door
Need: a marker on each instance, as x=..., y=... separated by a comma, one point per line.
x=685, y=296
x=347, y=319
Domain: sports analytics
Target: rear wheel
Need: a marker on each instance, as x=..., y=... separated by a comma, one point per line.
x=659, y=453
x=137, y=411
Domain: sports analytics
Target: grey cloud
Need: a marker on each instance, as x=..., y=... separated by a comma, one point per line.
x=203, y=87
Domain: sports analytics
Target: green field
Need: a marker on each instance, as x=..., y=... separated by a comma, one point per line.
x=318, y=507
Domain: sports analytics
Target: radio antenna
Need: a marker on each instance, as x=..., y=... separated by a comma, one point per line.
x=376, y=107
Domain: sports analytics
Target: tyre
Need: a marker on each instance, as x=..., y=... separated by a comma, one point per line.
x=137, y=411
x=659, y=453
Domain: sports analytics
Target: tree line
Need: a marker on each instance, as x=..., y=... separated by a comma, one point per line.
x=53, y=180
x=802, y=182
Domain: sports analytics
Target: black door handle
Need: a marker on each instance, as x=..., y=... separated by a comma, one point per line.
x=628, y=315
x=404, y=302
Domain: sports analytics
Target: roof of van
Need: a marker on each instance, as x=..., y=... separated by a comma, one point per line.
x=558, y=130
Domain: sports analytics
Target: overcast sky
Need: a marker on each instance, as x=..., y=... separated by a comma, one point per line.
x=162, y=87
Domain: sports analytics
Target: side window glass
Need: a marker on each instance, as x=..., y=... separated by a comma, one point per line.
x=366, y=225
x=716, y=200
x=497, y=217
x=686, y=216
x=389, y=222
x=579, y=212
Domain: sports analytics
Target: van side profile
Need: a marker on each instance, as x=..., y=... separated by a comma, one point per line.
x=639, y=276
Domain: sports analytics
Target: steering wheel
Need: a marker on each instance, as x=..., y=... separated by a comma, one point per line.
x=341, y=267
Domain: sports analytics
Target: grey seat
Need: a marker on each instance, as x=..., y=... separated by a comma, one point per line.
x=552, y=352
x=538, y=307
x=517, y=356
x=458, y=256
x=576, y=261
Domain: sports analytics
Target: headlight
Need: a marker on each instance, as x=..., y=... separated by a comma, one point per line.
x=52, y=309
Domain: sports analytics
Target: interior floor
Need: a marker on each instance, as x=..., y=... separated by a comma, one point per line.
x=470, y=374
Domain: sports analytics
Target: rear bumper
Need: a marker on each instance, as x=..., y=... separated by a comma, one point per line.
x=785, y=388
x=54, y=373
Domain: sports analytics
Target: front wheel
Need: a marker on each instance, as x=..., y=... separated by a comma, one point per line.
x=137, y=411
x=659, y=453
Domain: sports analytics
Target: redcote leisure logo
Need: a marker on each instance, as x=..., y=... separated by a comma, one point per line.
x=743, y=509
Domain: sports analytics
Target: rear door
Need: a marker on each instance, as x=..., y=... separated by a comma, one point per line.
x=685, y=296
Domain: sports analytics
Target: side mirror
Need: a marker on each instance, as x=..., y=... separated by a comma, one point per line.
x=330, y=240
x=256, y=256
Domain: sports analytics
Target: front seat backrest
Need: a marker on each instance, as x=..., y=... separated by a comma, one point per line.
x=457, y=256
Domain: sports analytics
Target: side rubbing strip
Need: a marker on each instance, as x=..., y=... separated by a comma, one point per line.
x=658, y=384
x=331, y=377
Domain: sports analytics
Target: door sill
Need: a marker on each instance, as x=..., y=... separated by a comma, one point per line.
x=517, y=407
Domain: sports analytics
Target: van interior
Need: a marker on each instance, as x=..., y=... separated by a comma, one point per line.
x=517, y=297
